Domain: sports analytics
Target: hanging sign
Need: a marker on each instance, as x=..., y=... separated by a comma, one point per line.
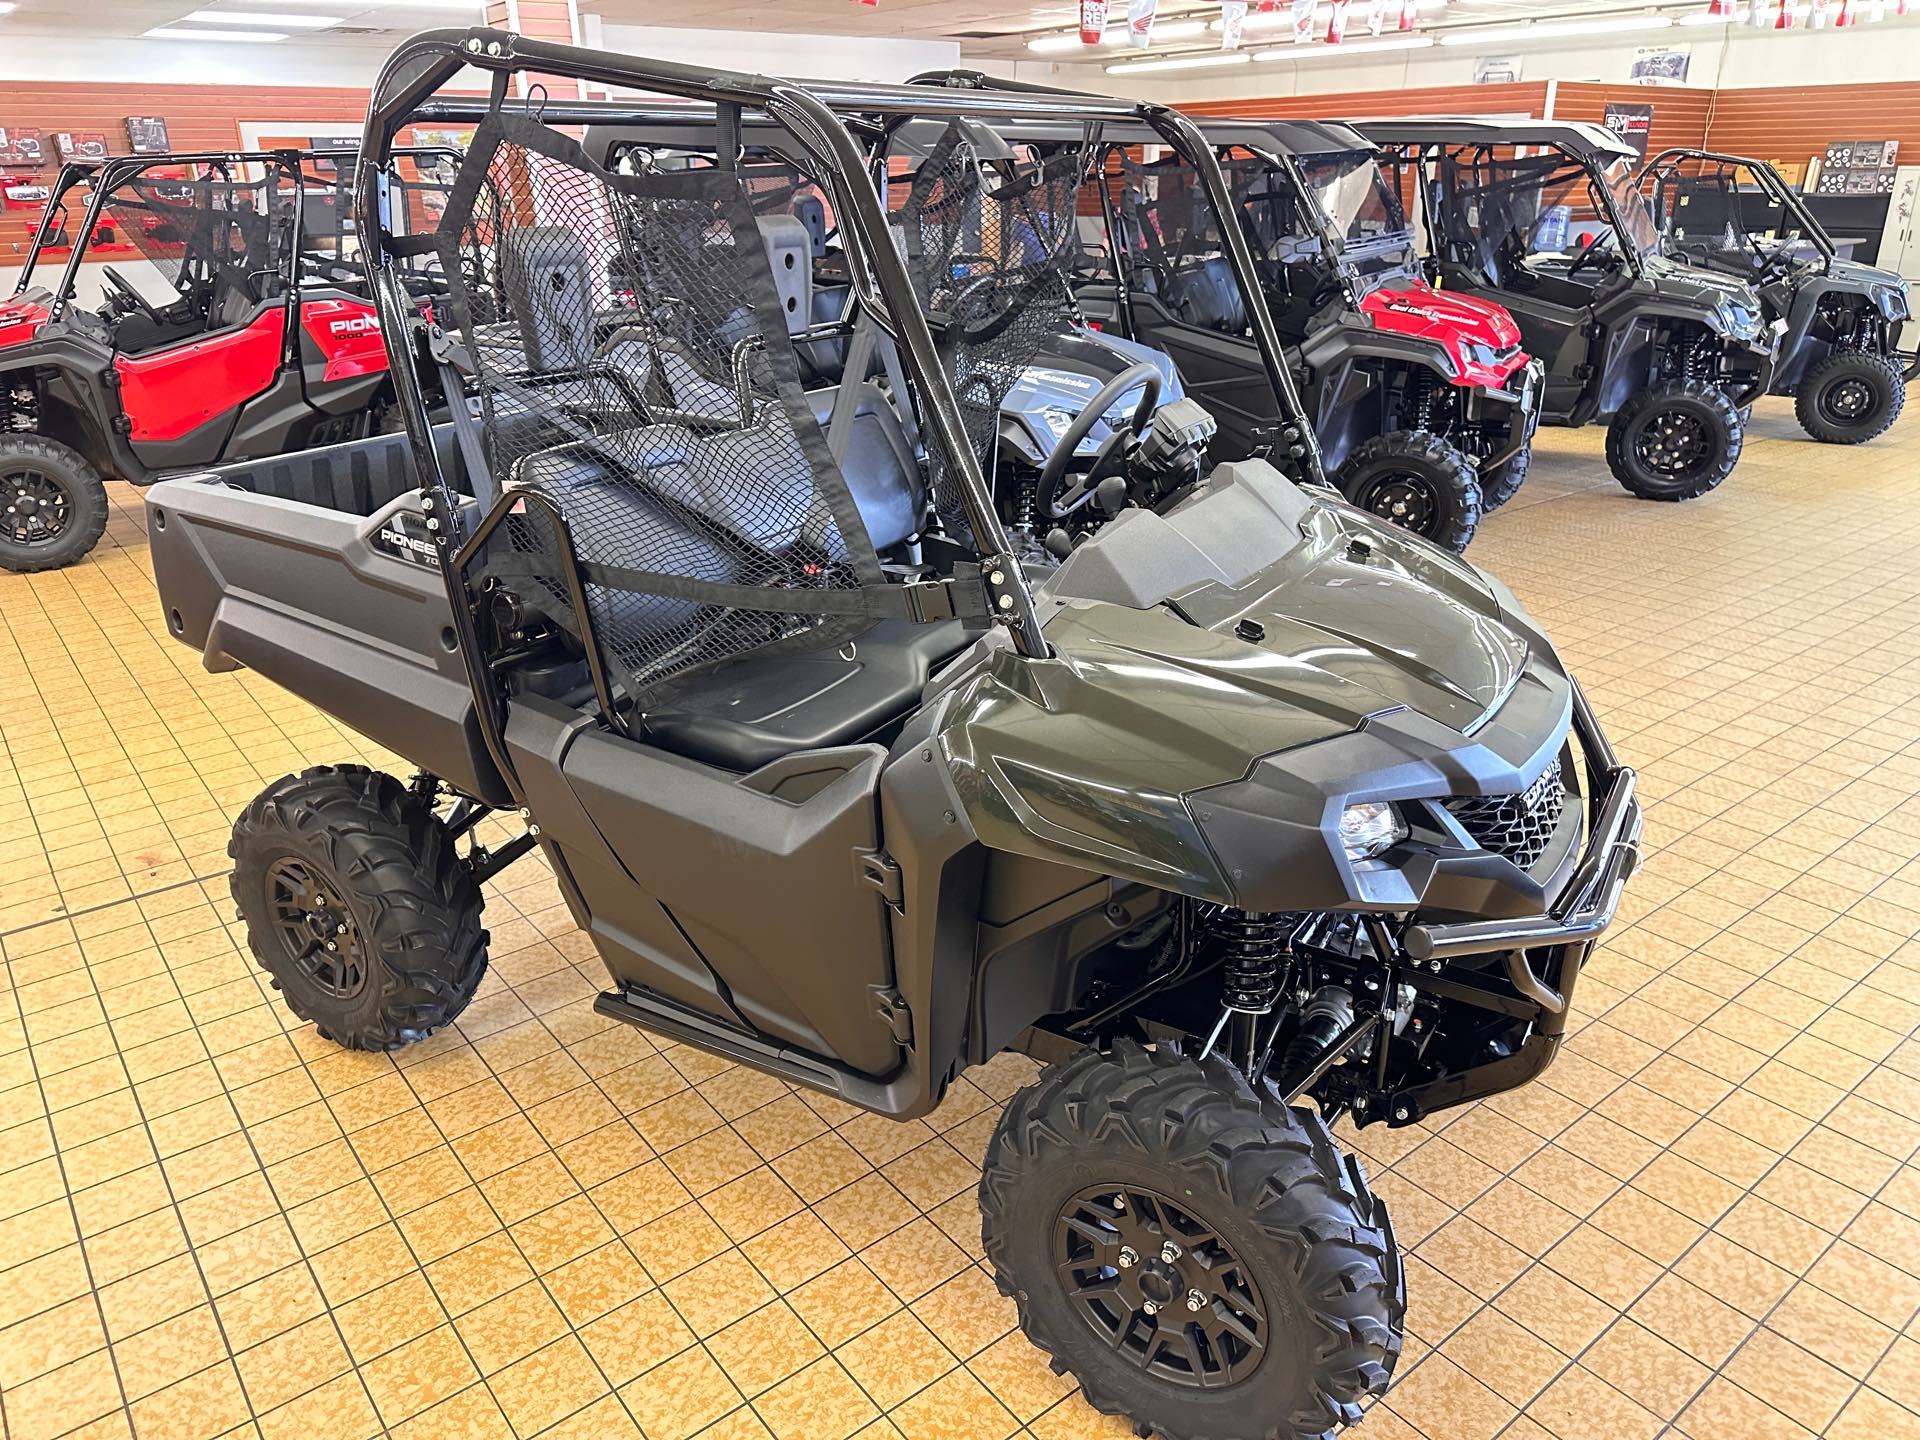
x=1093, y=21
x=1337, y=22
x=1376, y=16
x=1660, y=65
x=1409, y=12
x=1302, y=21
x=1632, y=123
x=1496, y=69
x=1233, y=23
x=1140, y=22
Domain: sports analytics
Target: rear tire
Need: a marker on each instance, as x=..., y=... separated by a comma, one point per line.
x=1503, y=482
x=1416, y=480
x=53, y=506
x=1101, y=1160
x=357, y=905
x=1676, y=441
x=1850, y=397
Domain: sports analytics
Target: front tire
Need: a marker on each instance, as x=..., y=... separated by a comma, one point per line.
x=358, y=906
x=1850, y=397
x=1417, y=481
x=53, y=507
x=1503, y=481
x=1676, y=441
x=1141, y=1178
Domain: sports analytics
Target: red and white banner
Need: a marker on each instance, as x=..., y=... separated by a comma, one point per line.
x=1302, y=21
x=1233, y=23
x=1376, y=16
x=1817, y=15
x=1409, y=12
x=1845, y=14
x=1093, y=21
x=1337, y=21
x=1721, y=9
x=1140, y=22
x=1783, y=16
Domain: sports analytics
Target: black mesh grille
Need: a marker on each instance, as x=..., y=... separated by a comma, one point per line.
x=1516, y=826
x=990, y=251
x=634, y=366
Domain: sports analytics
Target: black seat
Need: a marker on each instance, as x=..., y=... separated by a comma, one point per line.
x=1208, y=296
x=754, y=710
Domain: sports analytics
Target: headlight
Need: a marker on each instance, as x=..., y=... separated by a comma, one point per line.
x=1059, y=420
x=1370, y=827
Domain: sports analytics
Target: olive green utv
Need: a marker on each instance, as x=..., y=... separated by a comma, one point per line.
x=1251, y=813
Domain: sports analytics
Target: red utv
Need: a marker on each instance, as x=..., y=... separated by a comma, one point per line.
x=235, y=328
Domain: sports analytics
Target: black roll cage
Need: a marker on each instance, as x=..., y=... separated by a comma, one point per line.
x=108, y=175
x=820, y=116
x=1423, y=148
x=1772, y=184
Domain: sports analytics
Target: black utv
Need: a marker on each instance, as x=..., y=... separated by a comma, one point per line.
x=1544, y=216
x=1840, y=354
x=1254, y=813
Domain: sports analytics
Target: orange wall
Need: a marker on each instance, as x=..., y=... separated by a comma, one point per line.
x=199, y=117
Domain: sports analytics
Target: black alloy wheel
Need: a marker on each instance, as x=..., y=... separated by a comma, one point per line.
x=1850, y=397
x=316, y=928
x=53, y=508
x=1417, y=481
x=1161, y=1287
x=1675, y=441
x=37, y=506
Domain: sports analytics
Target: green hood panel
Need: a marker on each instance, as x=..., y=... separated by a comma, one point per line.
x=1084, y=758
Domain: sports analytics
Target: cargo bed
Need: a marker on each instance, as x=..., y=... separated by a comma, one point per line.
x=316, y=570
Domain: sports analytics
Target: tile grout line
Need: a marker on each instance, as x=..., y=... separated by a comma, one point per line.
x=109, y=904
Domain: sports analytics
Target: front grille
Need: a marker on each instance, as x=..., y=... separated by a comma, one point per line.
x=1516, y=826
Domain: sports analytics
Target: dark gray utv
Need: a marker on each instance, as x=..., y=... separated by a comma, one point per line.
x=1254, y=813
x=1840, y=355
x=1545, y=217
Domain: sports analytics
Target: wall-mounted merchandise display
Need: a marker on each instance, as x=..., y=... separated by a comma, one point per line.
x=22, y=146
x=80, y=147
x=147, y=134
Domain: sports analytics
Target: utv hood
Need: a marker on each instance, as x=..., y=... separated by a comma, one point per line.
x=1887, y=288
x=21, y=317
x=1479, y=336
x=1732, y=306
x=1186, y=647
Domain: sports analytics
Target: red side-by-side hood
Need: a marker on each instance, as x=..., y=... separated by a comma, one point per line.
x=20, y=320
x=1479, y=335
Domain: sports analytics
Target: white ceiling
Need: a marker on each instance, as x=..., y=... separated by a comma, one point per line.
x=368, y=23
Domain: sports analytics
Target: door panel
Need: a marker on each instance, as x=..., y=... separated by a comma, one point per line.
x=766, y=891
x=181, y=401
x=1223, y=373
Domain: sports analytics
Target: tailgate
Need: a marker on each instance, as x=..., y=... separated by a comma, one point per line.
x=307, y=596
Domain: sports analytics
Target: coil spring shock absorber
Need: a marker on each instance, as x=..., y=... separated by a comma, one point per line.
x=1254, y=943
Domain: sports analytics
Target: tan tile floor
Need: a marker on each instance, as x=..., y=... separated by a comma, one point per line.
x=1703, y=1222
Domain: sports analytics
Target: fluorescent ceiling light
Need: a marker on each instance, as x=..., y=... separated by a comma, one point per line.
x=1182, y=62
x=1555, y=29
x=248, y=37
x=1356, y=47
x=5, y=6
x=261, y=17
x=1114, y=35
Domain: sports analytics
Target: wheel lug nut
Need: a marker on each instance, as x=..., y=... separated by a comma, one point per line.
x=1150, y=1307
x=1195, y=1300
x=1129, y=1257
x=1169, y=1252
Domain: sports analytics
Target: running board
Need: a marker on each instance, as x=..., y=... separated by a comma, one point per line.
x=655, y=1012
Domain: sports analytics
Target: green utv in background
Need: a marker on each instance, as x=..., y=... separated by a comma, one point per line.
x=1253, y=813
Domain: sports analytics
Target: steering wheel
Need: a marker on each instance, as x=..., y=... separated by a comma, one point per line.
x=1590, y=252
x=124, y=289
x=1139, y=373
x=999, y=311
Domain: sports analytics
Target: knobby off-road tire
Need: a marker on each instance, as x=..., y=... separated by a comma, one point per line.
x=346, y=857
x=64, y=494
x=1191, y=1142
x=1503, y=481
x=1676, y=441
x=1850, y=397
x=1417, y=481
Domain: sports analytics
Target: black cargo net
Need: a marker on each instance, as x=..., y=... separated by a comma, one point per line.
x=632, y=354
x=203, y=228
x=990, y=251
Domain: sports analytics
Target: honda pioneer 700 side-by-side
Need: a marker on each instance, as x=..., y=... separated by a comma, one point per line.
x=1252, y=813
x=1840, y=355
x=1544, y=217
x=1423, y=401
x=224, y=335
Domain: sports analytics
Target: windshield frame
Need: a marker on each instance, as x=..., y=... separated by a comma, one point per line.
x=1771, y=182
x=1619, y=182
x=1336, y=239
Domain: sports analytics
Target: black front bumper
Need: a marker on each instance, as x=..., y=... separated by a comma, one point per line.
x=1540, y=955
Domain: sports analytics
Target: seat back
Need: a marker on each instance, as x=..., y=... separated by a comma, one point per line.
x=1207, y=295
x=543, y=269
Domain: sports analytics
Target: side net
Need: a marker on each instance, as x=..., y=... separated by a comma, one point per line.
x=990, y=249
x=632, y=352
